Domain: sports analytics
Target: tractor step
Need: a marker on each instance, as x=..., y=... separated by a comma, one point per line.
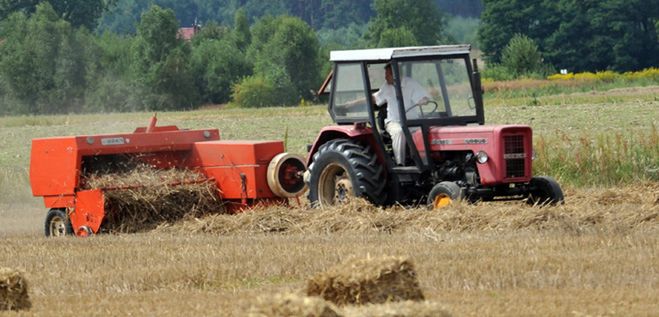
x=407, y=170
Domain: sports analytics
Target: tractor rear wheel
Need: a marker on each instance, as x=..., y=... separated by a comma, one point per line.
x=544, y=191
x=57, y=223
x=444, y=194
x=341, y=169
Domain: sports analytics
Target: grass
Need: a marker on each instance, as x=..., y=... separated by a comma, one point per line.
x=572, y=83
x=596, y=255
x=602, y=159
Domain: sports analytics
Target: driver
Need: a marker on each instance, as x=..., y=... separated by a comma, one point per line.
x=414, y=95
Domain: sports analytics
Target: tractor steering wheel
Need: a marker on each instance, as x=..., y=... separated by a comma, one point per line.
x=434, y=109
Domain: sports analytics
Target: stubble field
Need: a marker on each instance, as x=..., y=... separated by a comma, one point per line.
x=596, y=255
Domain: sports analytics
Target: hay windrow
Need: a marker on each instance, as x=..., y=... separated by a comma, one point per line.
x=364, y=281
x=292, y=305
x=398, y=309
x=13, y=290
x=629, y=208
x=145, y=197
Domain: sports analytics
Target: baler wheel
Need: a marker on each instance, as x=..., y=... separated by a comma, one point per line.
x=343, y=168
x=57, y=223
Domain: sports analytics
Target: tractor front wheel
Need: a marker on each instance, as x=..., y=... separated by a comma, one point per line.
x=341, y=169
x=444, y=194
x=57, y=223
x=544, y=191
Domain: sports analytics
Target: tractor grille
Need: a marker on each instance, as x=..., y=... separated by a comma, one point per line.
x=514, y=155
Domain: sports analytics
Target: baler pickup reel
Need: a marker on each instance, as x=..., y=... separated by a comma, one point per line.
x=135, y=181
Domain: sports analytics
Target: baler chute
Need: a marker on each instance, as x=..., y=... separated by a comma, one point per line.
x=244, y=173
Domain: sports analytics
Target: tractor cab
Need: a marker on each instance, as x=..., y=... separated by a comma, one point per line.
x=431, y=86
x=410, y=129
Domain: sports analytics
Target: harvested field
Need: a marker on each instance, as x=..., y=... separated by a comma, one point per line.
x=292, y=305
x=399, y=309
x=367, y=281
x=595, y=256
x=590, y=210
x=145, y=197
x=13, y=290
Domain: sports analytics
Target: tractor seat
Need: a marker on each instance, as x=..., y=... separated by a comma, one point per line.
x=386, y=137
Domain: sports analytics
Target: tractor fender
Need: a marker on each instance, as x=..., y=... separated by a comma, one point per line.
x=357, y=131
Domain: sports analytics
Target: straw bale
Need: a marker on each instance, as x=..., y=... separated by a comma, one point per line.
x=292, y=305
x=13, y=290
x=369, y=280
x=398, y=309
x=145, y=197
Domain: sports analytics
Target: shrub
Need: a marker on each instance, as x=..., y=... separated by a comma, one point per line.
x=522, y=57
x=264, y=91
x=497, y=72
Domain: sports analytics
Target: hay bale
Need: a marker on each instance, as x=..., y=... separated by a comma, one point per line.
x=144, y=197
x=398, y=309
x=13, y=290
x=370, y=280
x=292, y=305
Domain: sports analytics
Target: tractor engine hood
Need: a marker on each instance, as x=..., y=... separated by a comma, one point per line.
x=508, y=149
x=483, y=136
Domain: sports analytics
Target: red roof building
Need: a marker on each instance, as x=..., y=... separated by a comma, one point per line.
x=187, y=34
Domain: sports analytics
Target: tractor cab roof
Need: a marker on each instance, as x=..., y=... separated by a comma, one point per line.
x=387, y=54
x=384, y=55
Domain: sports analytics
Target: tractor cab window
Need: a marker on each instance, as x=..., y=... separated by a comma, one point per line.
x=433, y=89
x=349, y=98
x=376, y=75
x=438, y=88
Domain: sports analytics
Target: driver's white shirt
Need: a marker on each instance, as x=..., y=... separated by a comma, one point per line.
x=413, y=92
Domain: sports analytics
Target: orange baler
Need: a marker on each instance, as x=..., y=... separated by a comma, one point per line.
x=246, y=173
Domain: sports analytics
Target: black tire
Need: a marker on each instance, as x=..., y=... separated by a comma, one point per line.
x=57, y=223
x=444, y=193
x=544, y=190
x=342, y=167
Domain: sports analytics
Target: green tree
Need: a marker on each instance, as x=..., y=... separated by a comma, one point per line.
x=217, y=65
x=43, y=62
x=463, y=8
x=422, y=18
x=241, y=30
x=341, y=14
x=109, y=87
x=502, y=19
x=521, y=56
x=78, y=12
x=211, y=31
x=574, y=34
x=397, y=37
x=265, y=90
x=161, y=64
x=289, y=44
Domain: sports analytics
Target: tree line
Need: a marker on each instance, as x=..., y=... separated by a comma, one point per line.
x=49, y=64
x=577, y=35
x=65, y=56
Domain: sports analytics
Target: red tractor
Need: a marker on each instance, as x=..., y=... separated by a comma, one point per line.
x=436, y=148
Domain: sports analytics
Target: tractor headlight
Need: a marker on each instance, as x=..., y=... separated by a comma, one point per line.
x=481, y=157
